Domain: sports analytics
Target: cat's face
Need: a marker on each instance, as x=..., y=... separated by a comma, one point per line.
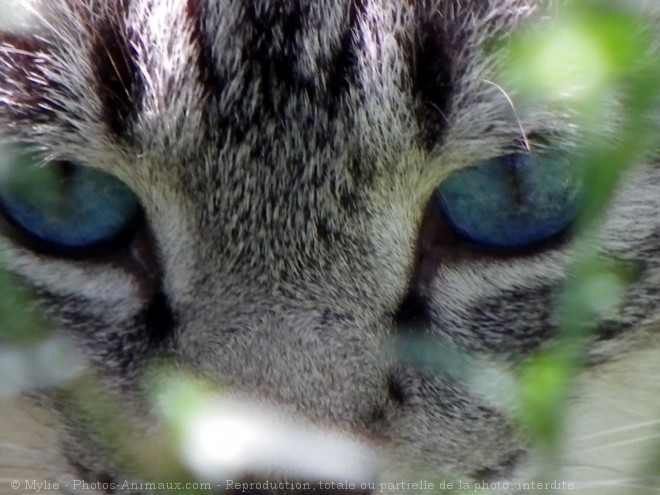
x=286, y=158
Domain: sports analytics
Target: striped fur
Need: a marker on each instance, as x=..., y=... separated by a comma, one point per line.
x=285, y=154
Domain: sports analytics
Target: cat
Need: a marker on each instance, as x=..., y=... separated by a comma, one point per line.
x=270, y=195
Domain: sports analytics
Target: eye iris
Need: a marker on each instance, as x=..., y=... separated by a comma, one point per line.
x=513, y=200
x=66, y=204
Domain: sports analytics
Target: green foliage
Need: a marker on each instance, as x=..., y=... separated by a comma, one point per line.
x=19, y=323
x=595, y=52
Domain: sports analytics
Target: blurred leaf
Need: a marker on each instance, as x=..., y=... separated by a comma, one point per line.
x=20, y=321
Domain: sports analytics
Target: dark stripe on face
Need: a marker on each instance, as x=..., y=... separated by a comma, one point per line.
x=209, y=76
x=342, y=72
x=432, y=70
x=121, y=348
x=275, y=45
x=119, y=84
x=413, y=314
x=515, y=323
x=272, y=72
x=274, y=35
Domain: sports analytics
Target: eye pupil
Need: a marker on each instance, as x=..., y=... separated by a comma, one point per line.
x=66, y=205
x=512, y=201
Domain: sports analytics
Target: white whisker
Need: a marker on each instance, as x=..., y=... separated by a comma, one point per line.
x=599, y=467
x=623, y=483
x=620, y=444
x=613, y=431
x=515, y=112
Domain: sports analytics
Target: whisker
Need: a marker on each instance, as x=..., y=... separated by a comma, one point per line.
x=621, y=429
x=515, y=112
x=620, y=444
x=627, y=483
x=597, y=466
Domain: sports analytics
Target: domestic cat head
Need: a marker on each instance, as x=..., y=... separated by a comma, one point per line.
x=285, y=158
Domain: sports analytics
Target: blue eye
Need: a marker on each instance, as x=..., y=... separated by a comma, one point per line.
x=66, y=205
x=513, y=200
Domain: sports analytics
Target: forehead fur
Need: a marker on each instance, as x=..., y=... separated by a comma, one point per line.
x=241, y=66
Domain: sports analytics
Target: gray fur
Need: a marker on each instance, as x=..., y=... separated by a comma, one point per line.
x=285, y=209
